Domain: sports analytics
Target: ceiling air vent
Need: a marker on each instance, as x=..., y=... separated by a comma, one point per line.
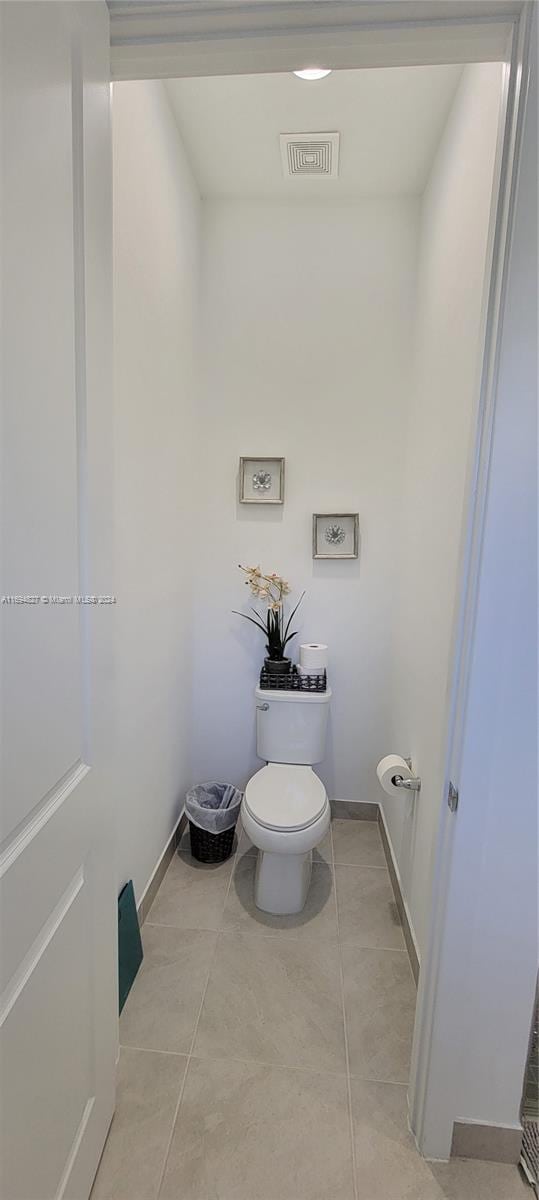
x=310, y=154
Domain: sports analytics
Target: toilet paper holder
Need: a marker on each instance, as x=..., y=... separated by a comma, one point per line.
x=411, y=785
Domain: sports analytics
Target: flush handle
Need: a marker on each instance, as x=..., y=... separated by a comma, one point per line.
x=263, y=707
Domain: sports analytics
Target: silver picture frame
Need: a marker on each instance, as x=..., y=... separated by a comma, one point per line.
x=346, y=535
x=260, y=465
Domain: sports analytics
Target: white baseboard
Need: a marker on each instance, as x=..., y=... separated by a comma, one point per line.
x=496, y=1143
x=164, y=858
x=402, y=904
x=355, y=800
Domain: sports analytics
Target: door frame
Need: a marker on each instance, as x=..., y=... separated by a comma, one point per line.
x=178, y=38
x=201, y=38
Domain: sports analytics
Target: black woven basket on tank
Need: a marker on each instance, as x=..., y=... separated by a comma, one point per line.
x=211, y=847
x=293, y=682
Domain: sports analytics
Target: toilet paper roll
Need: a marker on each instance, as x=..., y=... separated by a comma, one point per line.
x=386, y=770
x=310, y=670
x=313, y=656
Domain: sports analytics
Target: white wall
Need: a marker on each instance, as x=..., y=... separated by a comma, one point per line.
x=452, y=256
x=156, y=232
x=307, y=320
x=488, y=952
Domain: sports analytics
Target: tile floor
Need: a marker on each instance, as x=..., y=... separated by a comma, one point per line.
x=266, y=1058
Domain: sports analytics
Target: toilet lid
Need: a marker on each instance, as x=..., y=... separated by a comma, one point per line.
x=281, y=796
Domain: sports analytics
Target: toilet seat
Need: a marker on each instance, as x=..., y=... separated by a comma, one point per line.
x=283, y=797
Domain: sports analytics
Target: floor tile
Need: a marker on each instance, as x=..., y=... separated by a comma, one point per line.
x=368, y=915
x=252, y=1132
x=192, y=894
x=318, y=918
x=147, y=1094
x=162, y=1008
x=379, y=996
x=464, y=1179
x=358, y=843
x=276, y=1000
x=388, y=1166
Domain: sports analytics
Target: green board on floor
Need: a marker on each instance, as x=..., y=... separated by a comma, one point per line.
x=129, y=941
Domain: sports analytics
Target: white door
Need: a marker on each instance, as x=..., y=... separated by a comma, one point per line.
x=58, y=982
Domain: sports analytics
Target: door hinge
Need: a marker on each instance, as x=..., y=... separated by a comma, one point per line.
x=452, y=797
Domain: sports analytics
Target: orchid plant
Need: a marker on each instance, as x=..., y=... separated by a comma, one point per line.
x=271, y=589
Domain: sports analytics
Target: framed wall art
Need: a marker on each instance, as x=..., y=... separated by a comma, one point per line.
x=261, y=480
x=335, y=535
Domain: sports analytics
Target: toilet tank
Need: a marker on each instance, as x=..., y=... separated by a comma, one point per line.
x=291, y=727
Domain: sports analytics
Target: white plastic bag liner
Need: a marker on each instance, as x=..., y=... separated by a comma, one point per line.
x=213, y=806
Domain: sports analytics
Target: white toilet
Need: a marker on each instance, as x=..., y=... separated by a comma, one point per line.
x=285, y=809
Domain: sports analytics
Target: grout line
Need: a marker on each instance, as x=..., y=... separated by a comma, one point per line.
x=182, y=1089
x=350, y=1076
x=279, y=1066
x=262, y=1062
x=363, y=866
x=151, y=1050
x=193, y=1039
x=346, y=1050
x=276, y=933
x=366, y=946
x=389, y=1082
x=172, y=1128
x=182, y=928
x=325, y=938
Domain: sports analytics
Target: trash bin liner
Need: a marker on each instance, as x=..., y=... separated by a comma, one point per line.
x=213, y=806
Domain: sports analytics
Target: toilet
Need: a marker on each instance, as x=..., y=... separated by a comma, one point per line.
x=285, y=810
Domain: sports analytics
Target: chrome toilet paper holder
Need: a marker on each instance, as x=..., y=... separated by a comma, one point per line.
x=411, y=785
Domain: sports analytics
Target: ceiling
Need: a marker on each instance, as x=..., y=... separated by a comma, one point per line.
x=390, y=121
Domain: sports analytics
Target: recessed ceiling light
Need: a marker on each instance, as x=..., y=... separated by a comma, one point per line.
x=313, y=73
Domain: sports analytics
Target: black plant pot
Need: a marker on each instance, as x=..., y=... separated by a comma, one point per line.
x=277, y=666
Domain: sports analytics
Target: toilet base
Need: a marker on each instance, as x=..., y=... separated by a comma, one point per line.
x=282, y=882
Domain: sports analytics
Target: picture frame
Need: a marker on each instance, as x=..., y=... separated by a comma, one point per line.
x=335, y=535
x=261, y=479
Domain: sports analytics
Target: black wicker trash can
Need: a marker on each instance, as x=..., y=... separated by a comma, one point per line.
x=211, y=847
x=212, y=810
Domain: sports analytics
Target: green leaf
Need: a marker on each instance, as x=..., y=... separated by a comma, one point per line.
x=247, y=618
x=292, y=614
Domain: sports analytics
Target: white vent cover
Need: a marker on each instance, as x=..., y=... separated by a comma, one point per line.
x=310, y=154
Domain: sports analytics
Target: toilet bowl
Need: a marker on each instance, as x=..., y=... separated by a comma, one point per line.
x=286, y=814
